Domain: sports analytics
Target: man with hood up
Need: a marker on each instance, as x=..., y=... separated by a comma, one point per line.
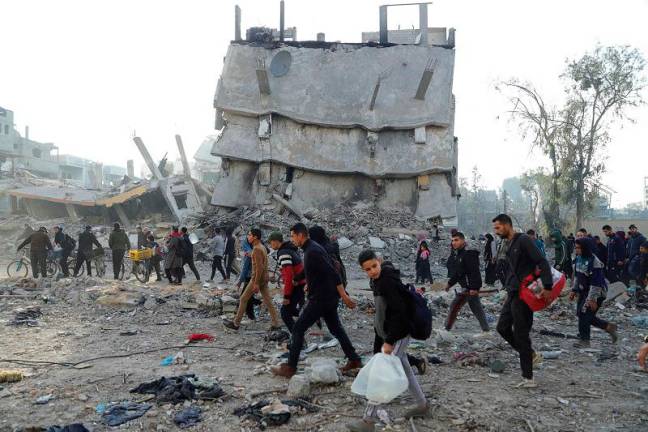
x=119, y=243
x=468, y=275
x=562, y=257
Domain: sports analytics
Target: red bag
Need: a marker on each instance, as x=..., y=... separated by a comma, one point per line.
x=531, y=287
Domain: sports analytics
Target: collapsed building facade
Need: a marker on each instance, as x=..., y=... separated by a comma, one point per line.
x=317, y=124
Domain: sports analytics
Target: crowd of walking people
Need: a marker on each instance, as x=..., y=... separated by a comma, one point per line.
x=314, y=281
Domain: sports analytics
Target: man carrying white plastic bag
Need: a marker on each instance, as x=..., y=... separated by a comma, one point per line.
x=383, y=378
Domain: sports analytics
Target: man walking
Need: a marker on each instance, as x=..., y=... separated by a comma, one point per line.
x=218, y=247
x=324, y=291
x=39, y=244
x=119, y=243
x=230, y=255
x=633, y=260
x=259, y=282
x=294, y=279
x=468, y=275
x=615, y=254
x=84, y=254
x=189, y=253
x=520, y=258
x=562, y=256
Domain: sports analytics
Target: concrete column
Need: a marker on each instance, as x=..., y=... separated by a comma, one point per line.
x=384, y=35
x=71, y=211
x=281, y=20
x=122, y=216
x=130, y=168
x=193, y=201
x=423, y=23
x=237, y=23
x=321, y=37
x=147, y=158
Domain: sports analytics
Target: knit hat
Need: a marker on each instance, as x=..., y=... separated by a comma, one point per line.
x=275, y=235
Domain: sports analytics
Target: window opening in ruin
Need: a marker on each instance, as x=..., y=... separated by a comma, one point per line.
x=36, y=152
x=181, y=201
x=6, y=128
x=290, y=173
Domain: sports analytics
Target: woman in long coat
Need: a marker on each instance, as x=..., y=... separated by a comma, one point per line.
x=173, y=258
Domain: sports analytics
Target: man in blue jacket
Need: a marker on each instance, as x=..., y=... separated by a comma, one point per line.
x=616, y=255
x=633, y=260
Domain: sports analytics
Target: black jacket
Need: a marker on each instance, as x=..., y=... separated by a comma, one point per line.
x=522, y=258
x=86, y=240
x=466, y=271
x=451, y=263
x=39, y=242
x=389, y=287
x=321, y=275
x=188, y=247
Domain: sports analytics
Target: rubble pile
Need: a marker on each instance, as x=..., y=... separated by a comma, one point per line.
x=394, y=233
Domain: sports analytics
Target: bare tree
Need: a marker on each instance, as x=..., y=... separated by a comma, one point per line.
x=602, y=85
x=541, y=123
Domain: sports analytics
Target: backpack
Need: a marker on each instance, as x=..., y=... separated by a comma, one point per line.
x=69, y=243
x=420, y=314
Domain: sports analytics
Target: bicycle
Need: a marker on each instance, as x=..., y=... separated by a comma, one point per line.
x=141, y=263
x=97, y=260
x=20, y=267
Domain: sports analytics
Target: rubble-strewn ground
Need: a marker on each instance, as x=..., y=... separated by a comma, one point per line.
x=579, y=391
x=134, y=326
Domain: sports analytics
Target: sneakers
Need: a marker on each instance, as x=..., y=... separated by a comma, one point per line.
x=537, y=359
x=611, y=329
x=283, y=370
x=230, y=324
x=351, y=365
x=418, y=411
x=361, y=426
x=526, y=384
x=422, y=366
x=582, y=344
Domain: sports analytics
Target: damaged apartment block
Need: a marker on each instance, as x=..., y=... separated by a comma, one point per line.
x=320, y=123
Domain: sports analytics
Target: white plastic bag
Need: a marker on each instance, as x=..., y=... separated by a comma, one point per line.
x=381, y=380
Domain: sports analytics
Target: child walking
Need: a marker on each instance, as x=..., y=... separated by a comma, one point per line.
x=591, y=288
x=423, y=271
x=391, y=326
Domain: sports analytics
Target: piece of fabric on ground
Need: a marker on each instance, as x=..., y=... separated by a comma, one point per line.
x=188, y=417
x=178, y=389
x=124, y=412
x=75, y=427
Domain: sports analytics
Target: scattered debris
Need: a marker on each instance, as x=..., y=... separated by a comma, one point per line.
x=180, y=388
x=26, y=316
x=123, y=412
x=188, y=417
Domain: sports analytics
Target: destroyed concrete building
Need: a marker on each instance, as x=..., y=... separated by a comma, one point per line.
x=326, y=123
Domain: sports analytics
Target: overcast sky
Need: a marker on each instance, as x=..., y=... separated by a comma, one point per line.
x=86, y=74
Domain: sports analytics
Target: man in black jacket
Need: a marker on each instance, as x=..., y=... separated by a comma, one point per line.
x=67, y=244
x=84, y=253
x=520, y=258
x=189, y=253
x=324, y=292
x=468, y=275
x=40, y=244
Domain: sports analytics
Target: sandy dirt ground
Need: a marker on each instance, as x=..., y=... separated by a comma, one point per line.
x=598, y=389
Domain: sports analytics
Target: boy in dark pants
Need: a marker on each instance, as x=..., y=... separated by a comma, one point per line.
x=324, y=292
x=591, y=288
x=519, y=258
x=391, y=326
x=294, y=279
x=468, y=275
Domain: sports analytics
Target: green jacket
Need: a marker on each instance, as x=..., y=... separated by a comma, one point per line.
x=118, y=240
x=562, y=256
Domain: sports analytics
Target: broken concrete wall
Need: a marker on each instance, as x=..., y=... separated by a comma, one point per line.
x=392, y=153
x=243, y=185
x=334, y=86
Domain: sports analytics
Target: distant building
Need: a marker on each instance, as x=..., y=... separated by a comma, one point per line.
x=113, y=175
x=207, y=168
x=17, y=151
x=645, y=201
